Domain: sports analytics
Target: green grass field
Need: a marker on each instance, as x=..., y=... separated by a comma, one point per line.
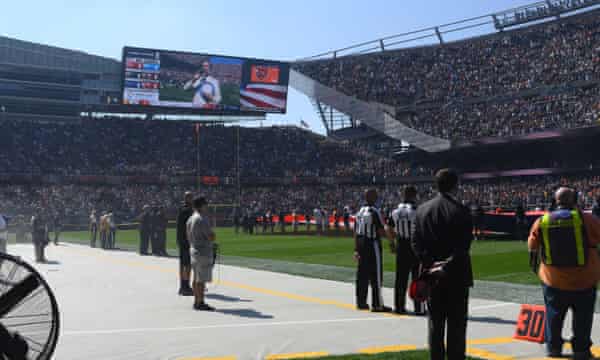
x=505, y=261
x=230, y=94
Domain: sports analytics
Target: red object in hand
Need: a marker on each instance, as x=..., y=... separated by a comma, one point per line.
x=420, y=290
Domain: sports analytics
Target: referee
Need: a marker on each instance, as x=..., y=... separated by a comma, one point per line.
x=402, y=226
x=183, y=243
x=368, y=230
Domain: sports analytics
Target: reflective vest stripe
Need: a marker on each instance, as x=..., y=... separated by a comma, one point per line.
x=578, y=224
x=545, y=225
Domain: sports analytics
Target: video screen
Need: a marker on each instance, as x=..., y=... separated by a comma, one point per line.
x=199, y=81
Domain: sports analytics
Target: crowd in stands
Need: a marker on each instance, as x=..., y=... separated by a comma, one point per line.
x=75, y=202
x=518, y=116
x=113, y=146
x=490, y=68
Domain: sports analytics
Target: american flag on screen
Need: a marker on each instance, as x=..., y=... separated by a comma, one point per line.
x=263, y=96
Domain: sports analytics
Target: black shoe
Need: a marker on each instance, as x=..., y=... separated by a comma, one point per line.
x=420, y=313
x=203, y=307
x=186, y=292
x=585, y=355
x=363, y=307
x=381, y=309
x=400, y=311
x=554, y=353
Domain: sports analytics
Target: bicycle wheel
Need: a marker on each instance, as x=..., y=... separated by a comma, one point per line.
x=28, y=307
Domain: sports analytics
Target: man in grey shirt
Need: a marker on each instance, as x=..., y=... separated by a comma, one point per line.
x=201, y=238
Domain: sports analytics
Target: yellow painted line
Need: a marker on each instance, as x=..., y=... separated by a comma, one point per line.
x=305, y=355
x=232, y=284
x=213, y=358
x=287, y=295
x=594, y=349
x=488, y=355
x=383, y=349
x=491, y=341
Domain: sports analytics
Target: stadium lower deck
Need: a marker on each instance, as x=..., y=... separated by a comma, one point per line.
x=118, y=305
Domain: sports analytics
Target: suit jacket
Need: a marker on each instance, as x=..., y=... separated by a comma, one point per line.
x=185, y=212
x=444, y=232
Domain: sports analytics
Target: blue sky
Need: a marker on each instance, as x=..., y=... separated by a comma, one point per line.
x=282, y=30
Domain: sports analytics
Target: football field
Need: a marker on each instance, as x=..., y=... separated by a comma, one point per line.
x=505, y=261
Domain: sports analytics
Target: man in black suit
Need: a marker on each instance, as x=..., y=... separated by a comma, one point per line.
x=442, y=241
x=185, y=260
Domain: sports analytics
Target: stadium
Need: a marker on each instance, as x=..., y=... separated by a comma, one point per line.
x=515, y=110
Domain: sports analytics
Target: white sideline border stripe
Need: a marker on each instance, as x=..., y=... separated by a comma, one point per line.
x=221, y=326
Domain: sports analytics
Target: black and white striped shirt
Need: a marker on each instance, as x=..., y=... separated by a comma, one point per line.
x=368, y=222
x=404, y=220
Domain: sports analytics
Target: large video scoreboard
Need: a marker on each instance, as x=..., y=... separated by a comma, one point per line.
x=210, y=83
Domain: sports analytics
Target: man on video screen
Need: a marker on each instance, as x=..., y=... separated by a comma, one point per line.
x=208, y=90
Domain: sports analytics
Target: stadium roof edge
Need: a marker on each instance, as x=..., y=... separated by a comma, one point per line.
x=29, y=46
x=573, y=7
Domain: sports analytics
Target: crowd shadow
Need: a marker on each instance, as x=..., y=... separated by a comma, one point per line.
x=245, y=313
x=226, y=298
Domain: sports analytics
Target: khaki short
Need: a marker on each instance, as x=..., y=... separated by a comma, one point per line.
x=202, y=266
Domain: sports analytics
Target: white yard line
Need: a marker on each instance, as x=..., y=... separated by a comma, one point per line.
x=220, y=326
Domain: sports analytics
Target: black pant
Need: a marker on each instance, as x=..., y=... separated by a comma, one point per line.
x=144, y=241
x=112, y=233
x=581, y=303
x=448, y=307
x=103, y=238
x=162, y=241
x=155, y=242
x=406, y=263
x=94, y=233
x=369, y=272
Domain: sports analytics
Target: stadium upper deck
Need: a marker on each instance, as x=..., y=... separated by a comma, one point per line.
x=512, y=83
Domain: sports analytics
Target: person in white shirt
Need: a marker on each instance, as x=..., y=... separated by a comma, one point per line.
x=401, y=225
x=318, y=215
x=208, y=89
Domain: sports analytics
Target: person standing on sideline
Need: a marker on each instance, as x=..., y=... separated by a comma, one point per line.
x=39, y=236
x=103, y=230
x=144, y=219
x=294, y=221
x=318, y=216
x=93, y=228
x=441, y=242
x=202, y=243
x=368, y=230
x=162, y=223
x=402, y=226
x=112, y=230
x=324, y=221
x=347, y=218
x=184, y=213
x=566, y=240
x=282, y=220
